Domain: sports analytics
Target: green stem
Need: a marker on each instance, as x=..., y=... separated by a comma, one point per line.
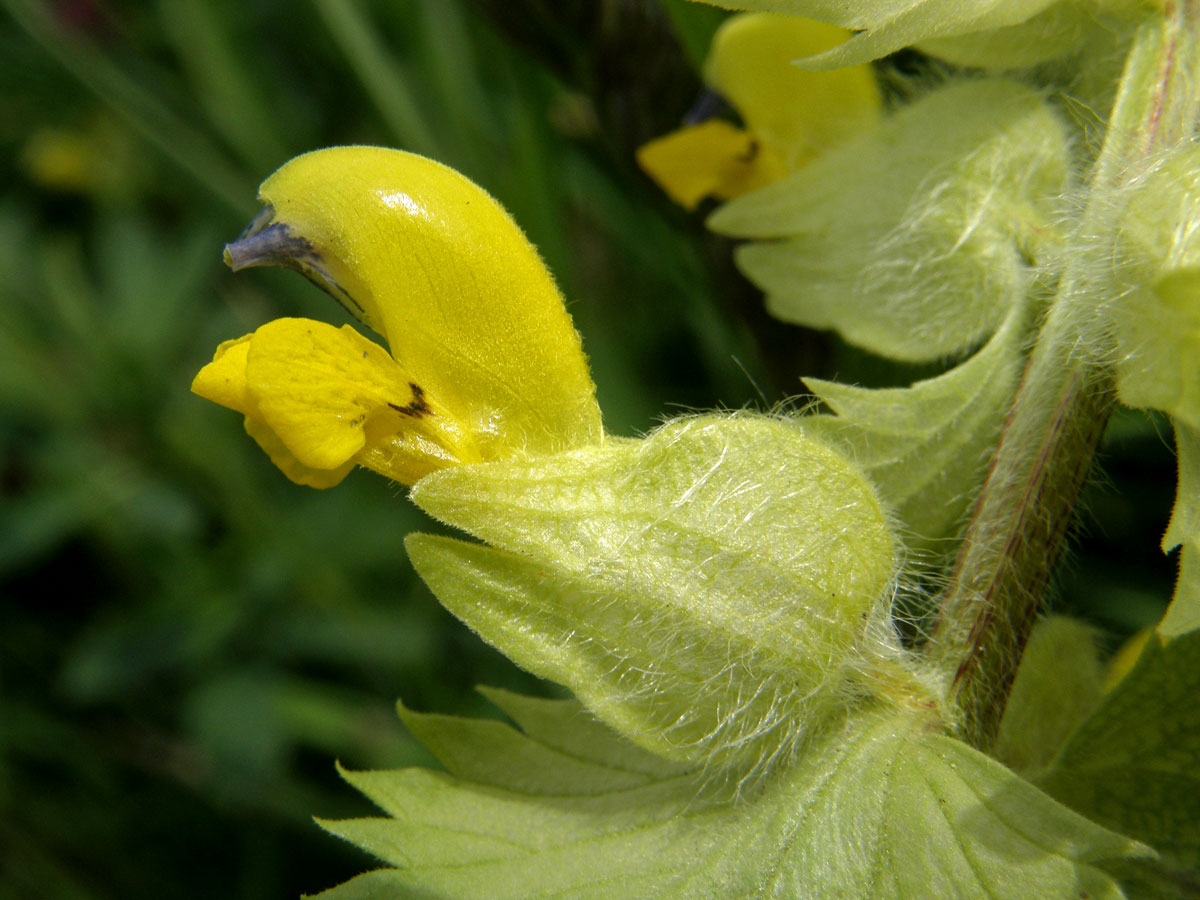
x=1025, y=506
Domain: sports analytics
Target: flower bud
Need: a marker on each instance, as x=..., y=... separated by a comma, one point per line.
x=484, y=361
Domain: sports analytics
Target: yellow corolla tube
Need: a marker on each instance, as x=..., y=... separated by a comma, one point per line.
x=790, y=114
x=484, y=364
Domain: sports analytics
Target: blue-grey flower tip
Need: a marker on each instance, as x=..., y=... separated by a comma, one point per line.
x=268, y=243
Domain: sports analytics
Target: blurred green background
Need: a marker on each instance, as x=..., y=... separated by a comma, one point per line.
x=187, y=640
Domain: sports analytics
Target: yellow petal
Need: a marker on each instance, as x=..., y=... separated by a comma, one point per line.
x=792, y=111
x=433, y=263
x=286, y=461
x=223, y=380
x=406, y=456
x=711, y=159
x=326, y=392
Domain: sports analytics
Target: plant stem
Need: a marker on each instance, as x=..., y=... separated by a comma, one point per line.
x=1027, y=501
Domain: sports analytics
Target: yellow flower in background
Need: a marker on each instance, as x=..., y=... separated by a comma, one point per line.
x=93, y=157
x=791, y=115
x=485, y=363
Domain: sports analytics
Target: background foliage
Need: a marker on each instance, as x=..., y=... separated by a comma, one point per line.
x=188, y=641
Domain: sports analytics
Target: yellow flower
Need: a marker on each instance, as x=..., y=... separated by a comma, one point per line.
x=95, y=158
x=791, y=115
x=485, y=362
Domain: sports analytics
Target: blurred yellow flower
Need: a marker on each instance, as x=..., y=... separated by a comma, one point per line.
x=95, y=157
x=484, y=364
x=791, y=115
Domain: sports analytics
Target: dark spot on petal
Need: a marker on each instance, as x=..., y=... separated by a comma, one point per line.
x=750, y=154
x=418, y=407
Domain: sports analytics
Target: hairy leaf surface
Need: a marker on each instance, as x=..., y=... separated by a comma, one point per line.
x=1159, y=339
x=1056, y=31
x=890, y=25
x=913, y=240
x=708, y=591
x=861, y=14
x=1135, y=763
x=1156, y=310
x=879, y=808
x=1183, y=615
x=1058, y=685
x=925, y=447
